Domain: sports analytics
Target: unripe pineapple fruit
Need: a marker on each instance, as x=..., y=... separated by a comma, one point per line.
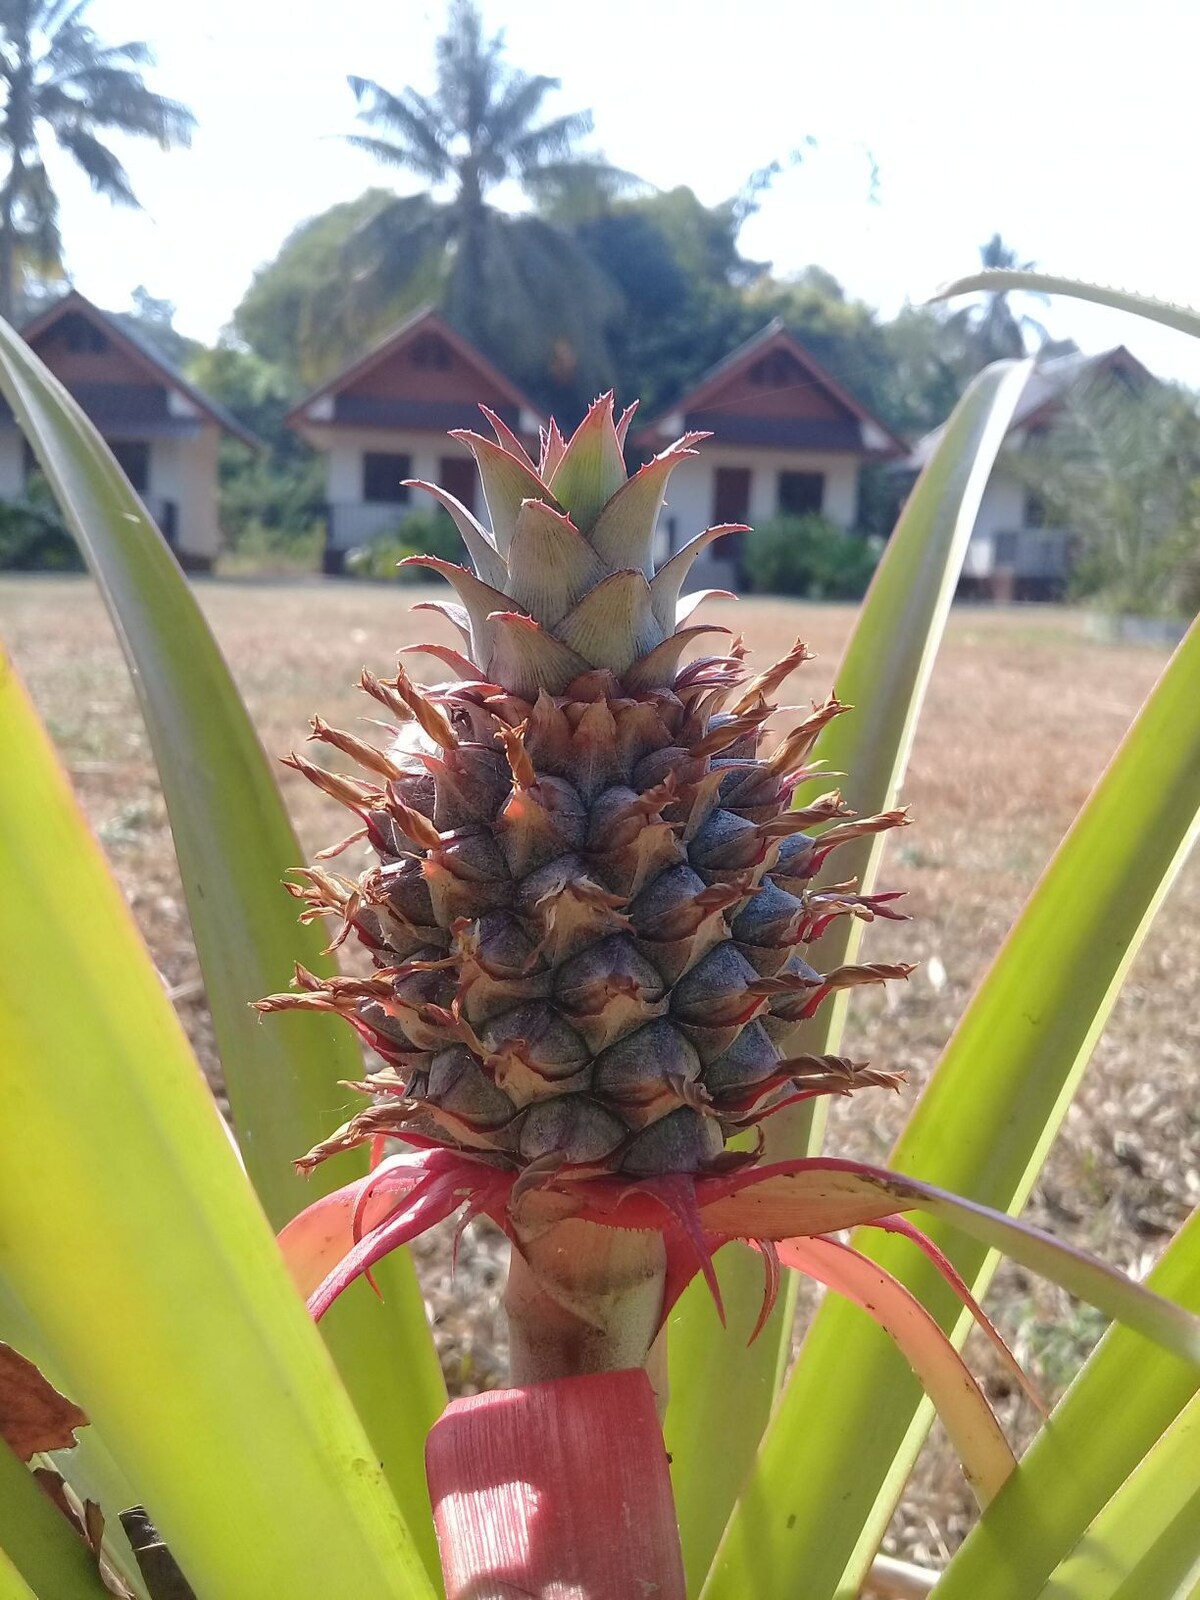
x=592, y=892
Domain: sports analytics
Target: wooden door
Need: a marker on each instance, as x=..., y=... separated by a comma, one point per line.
x=456, y=474
x=731, y=494
x=731, y=503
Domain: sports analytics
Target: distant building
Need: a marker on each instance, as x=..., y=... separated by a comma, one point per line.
x=161, y=428
x=1014, y=554
x=385, y=418
x=787, y=438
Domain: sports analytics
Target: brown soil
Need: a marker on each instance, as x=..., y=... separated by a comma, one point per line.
x=1022, y=714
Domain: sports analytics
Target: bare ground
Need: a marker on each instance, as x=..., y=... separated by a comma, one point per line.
x=1022, y=714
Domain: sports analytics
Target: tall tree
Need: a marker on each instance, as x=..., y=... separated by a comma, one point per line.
x=992, y=330
x=57, y=77
x=519, y=285
x=1121, y=472
x=681, y=278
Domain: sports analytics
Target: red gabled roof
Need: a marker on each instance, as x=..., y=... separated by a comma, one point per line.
x=1047, y=390
x=775, y=336
x=424, y=320
x=142, y=354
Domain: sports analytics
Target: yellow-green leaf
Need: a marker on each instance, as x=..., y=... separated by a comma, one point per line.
x=883, y=675
x=850, y=1423
x=38, y=1547
x=1127, y=1395
x=235, y=842
x=1001, y=280
x=131, y=1238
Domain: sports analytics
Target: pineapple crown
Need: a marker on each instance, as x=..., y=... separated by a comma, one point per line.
x=564, y=579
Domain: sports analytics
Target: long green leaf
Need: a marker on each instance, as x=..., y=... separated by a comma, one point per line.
x=1127, y=1395
x=13, y=1585
x=852, y=1419
x=235, y=843
x=131, y=1238
x=883, y=674
x=88, y=1466
x=999, y=280
x=1145, y=1544
x=42, y=1547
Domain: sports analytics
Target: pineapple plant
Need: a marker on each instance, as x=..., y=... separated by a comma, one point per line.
x=591, y=893
x=261, y=1471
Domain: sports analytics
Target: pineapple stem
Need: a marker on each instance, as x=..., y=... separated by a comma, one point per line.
x=583, y=1298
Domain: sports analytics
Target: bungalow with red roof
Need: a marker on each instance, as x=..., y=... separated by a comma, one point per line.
x=787, y=439
x=386, y=417
x=1014, y=553
x=161, y=428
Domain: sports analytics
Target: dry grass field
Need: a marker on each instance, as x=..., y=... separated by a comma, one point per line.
x=1022, y=714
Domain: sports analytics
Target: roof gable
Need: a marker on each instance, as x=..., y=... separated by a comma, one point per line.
x=83, y=345
x=1047, y=391
x=772, y=391
x=1051, y=385
x=421, y=374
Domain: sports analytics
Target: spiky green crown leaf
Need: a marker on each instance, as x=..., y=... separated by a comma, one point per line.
x=564, y=578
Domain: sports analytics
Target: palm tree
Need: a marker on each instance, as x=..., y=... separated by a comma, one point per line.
x=512, y=283
x=58, y=76
x=992, y=330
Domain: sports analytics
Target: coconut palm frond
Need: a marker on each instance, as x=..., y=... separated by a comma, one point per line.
x=63, y=78
x=104, y=172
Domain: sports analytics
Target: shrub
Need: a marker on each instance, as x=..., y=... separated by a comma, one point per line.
x=32, y=535
x=421, y=533
x=809, y=556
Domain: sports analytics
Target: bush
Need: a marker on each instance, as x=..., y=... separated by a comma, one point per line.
x=808, y=556
x=263, y=550
x=421, y=533
x=32, y=535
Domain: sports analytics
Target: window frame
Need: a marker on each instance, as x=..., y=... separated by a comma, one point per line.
x=375, y=476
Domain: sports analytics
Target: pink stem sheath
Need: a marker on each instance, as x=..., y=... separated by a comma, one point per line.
x=557, y=1488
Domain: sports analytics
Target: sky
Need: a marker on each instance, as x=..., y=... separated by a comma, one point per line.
x=1070, y=126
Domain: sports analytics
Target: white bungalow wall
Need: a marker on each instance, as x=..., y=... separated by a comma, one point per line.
x=690, y=498
x=181, y=470
x=344, y=449
x=185, y=471
x=1004, y=510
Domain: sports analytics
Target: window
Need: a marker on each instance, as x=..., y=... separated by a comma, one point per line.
x=801, y=493
x=1035, y=510
x=456, y=474
x=731, y=503
x=133, y=458
x=774, y=371
x=430, y=353
x=731, y=494
x=1004, y=550
x=382, y=477
x=81, y=335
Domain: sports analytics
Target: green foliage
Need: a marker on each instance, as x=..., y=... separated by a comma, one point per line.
x=295, y=317
x=33, y=537
x=272, y=501
x=679, y=275
x=810, y=557
x=1121, y=472
x=421, y=533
